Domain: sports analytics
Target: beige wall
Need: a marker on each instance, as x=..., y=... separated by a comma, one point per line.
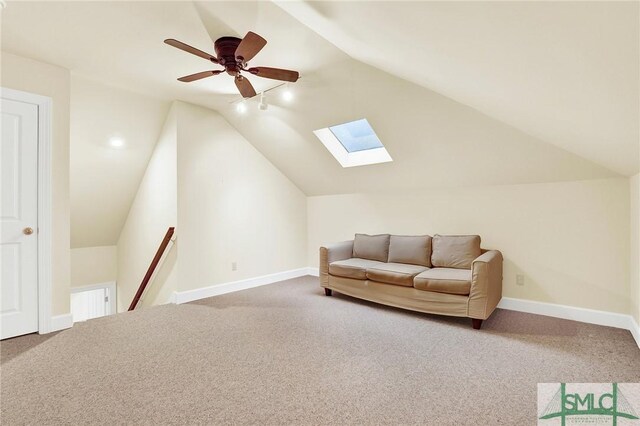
x=43, y=79
x=233, y=206
x=152, y=212
x=634, y=192
x=570, y=239
x=93, y=265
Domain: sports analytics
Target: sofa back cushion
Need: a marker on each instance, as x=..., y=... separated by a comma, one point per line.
x=372, y=247
x=414, y=250
x=455, y=251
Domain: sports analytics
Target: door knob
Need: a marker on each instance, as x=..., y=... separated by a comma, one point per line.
x=27, y=231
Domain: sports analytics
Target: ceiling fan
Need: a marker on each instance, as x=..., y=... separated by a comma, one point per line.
x=233, y=54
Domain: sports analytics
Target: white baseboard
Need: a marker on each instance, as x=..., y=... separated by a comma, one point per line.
x=590, y=316
x=635, y=331
x=216, y=290
x=61, y=322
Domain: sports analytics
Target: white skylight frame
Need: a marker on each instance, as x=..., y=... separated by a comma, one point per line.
x=351, y=159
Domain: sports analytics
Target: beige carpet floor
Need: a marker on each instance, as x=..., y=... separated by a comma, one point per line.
x=286, y=354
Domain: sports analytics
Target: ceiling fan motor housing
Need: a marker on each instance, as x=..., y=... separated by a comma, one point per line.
x=225, y=48
x=233, y=54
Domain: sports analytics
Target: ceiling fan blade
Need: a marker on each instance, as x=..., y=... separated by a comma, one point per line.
x=190, y=49
x=275, y=73
x=199, y=75
x=245, y=87
x=249, y=47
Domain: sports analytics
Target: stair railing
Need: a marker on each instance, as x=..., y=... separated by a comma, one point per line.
x=152, y=267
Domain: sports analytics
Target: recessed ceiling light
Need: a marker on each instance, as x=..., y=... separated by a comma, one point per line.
x=116, y=142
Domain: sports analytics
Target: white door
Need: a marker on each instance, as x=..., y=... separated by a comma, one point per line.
x=18, y=219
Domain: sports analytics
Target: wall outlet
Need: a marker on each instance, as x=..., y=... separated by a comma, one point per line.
x=519, y=279
x=234, y=266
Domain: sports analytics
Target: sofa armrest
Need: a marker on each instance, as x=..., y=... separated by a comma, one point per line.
x=486, y=284
x=330, y=253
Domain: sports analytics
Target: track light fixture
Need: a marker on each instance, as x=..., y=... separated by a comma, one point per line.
x=241, y=107
x=287, y=93
x=262, y=106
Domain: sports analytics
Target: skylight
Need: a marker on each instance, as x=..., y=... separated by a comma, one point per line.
x=356, y=135
x=354, y=143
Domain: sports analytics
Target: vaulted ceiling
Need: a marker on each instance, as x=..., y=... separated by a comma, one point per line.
x=460, y=93
x=565, y=72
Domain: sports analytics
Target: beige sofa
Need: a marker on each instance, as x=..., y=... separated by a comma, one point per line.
x=444, y=274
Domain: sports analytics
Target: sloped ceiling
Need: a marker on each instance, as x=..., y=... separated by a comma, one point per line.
x=563, y=114
x=433, y=140
x=565, y=72
x=104, y=180
x=121, y=44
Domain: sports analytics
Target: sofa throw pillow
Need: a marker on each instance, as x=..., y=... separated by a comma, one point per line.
x=414, y=250
x=455, y=251
x=372, y=247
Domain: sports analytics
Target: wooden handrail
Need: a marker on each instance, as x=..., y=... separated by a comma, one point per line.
x=152, y=267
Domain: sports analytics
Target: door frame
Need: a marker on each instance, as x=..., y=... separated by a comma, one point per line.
x=45, y=110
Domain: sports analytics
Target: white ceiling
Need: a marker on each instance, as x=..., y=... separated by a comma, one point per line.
x=544, y=91
x=104, y=180
x=433, y=140
x=123, y=77
x=566, y=72
x=121, y=43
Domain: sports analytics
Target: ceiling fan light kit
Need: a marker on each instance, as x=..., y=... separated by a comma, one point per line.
x=241, y=106
x=263, y=104
x=233, y=54
x=287, y=93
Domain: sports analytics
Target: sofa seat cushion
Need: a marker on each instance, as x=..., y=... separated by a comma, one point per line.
x=444, y=280
x=352, y=268
x=394, y=273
